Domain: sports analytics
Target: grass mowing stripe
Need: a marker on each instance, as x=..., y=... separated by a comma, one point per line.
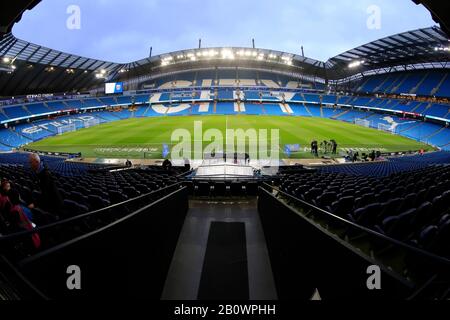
x=153, y=132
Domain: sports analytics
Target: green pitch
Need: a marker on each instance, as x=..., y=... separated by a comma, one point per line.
x=144, y=137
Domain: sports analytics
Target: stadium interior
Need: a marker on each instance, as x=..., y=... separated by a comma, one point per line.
x=227, y=227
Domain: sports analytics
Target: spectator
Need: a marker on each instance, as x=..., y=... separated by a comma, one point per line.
x=20, y=221
x=187, y=165
x=167, y=165
x=5, y=206
x=334, y=146
x=5, y=188
x=247, y=159
x=50, y=199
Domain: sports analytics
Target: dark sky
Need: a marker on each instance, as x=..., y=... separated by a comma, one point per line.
x=124, y=30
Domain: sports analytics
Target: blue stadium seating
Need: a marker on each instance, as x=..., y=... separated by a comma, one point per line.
x=74, y=104
x=37, y=108
x=124, y=100
x=254, y=109
x=300, y=110
x=444, y=89
x=439, y=110
x=225, y=94
x=274, y=109
x=109, y=101
x=225, y=108
x=57, y=105
x=16, y=112
x=141, y=99
x=431, y=82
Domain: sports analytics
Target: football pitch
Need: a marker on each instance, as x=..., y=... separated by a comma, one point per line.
x=139, y=138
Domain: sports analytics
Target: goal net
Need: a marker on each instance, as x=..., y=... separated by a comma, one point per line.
x=386, y=128
x=362, y=122
x=91, y=122
x=66, y=128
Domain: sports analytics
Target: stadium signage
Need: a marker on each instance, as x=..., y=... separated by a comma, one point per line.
x=38, y=96
x=56, y=124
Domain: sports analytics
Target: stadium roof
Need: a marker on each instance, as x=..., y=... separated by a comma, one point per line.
x=423, y=48
x=30, y=68
x=440, y=11
x=12, y=12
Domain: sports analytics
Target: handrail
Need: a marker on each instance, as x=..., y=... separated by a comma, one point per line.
x=82, y=216
x=127, y=217
x=364, y=229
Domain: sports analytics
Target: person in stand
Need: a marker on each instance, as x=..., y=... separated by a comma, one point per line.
x=351, y=155
x=373, y=156
x=50, y=199
x=187, y=165
x=167, y=165
x=20, y=219
x=334, y=146
x=5, y=206
x=128, y=164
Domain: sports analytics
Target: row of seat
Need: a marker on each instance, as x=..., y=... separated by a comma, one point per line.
x=401, y=206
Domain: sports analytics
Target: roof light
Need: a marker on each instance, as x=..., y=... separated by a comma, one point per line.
x=6, y=60
x=356, y=64
x=227, y=54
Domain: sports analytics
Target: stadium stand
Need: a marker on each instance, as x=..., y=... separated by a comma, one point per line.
x=402, y=197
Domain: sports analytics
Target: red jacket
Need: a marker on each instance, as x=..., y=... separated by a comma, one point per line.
x=24, y=223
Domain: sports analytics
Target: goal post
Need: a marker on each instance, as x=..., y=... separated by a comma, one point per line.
x=362, y=122
x=91, y=122
x=66, y=128
x=386, y=127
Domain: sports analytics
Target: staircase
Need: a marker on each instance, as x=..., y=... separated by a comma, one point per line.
x=438, y=87
x=340, y=114
x=435, y=133
x=397, y=86
x=382, y=84
x=393, y=84
x=416, y=88
x=307, y=109
x=411, y=127
x=417, y=107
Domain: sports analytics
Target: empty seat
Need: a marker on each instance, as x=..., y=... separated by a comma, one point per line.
x=367, y=216
x=96, y=203
x=343, y=206
x=325, y=199
x=117, y=197
x=73, y=208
